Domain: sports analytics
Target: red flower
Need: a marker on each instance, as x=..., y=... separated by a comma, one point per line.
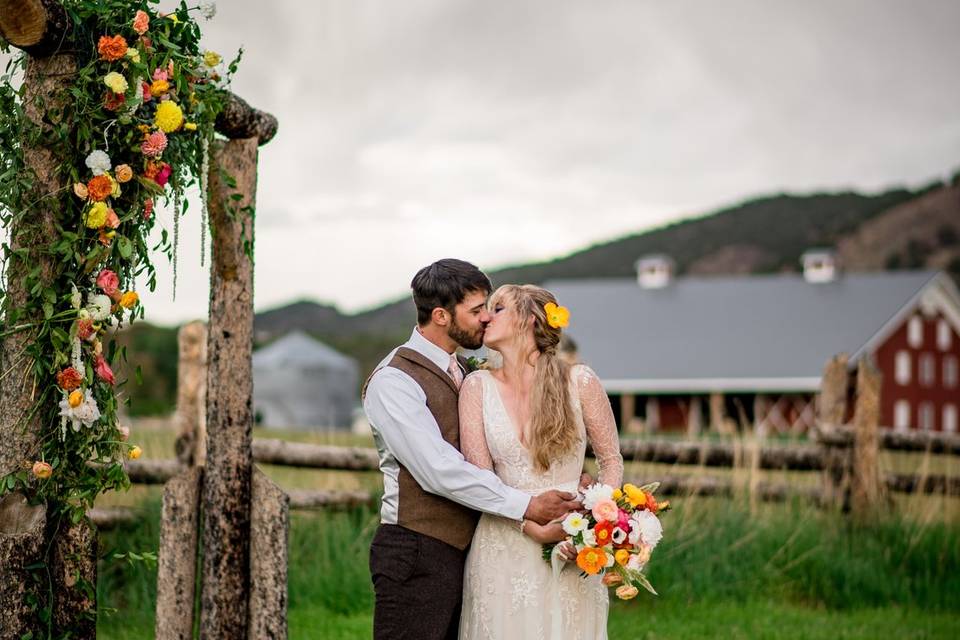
x=69, y=379
x=147, y=208
x=108, y=281
x=113, y=101
x=102, y=369
x=604, y=533
x=163, y=175
x=145, y=91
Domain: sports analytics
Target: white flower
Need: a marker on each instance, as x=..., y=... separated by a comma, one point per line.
x=99, y=307
x=574, y=523
x=208, y=10
x=610, y=560
x=619, y=535
x=648, y=527
x=85, y=413
x=596, y=492
x=75, y=298
x=636, y=563
x=98, y=162
x=589, y=538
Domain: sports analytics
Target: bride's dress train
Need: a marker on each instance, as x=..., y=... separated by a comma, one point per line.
x=509, y=591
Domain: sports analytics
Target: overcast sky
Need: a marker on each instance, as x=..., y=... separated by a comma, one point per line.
x=504, y=132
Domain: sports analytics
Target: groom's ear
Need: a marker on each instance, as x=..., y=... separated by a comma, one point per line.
x=440, y=316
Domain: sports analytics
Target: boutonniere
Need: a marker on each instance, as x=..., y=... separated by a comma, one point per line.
x=477, y=364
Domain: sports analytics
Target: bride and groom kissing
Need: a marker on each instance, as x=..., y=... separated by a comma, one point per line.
x=507, y=443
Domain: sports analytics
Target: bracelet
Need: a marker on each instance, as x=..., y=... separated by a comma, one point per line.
x=523, y=523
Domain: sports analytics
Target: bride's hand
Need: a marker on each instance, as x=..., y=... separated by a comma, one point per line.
x=545, y=534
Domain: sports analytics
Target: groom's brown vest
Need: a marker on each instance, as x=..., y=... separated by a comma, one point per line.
x=420, y=511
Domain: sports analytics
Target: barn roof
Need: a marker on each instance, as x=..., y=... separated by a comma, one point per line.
x=749, y=333
x=299, y=350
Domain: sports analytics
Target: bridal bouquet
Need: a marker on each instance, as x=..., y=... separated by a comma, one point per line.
x=615, y=536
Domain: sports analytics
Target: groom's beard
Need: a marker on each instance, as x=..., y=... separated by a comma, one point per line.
x=465, y=338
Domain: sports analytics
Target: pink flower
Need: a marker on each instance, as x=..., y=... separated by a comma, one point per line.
x=85, y=329
x=108, y=281
x=154, y=145
x=606, y=510
x=160, y=74
x=124, y=432
x=102, y=369
x=112, y=220
x=163, y=175
x=145, y=90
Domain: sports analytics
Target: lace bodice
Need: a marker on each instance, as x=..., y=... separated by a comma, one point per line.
x=489, y=439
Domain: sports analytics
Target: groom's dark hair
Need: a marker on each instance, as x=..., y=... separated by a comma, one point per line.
x=445, y=284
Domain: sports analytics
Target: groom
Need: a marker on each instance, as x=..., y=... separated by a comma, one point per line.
x=431, y=494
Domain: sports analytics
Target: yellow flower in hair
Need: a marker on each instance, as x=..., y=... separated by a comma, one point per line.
x=557, y=316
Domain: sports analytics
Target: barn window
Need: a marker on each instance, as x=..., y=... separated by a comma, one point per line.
x=928, y=370
x=926, y=416
x=950, y=418
x=950, y=371
x=944, y=335
x=902, y=368
x=915, y=332
x=901, y=415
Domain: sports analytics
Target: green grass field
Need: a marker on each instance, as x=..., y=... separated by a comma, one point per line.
x=725, y=569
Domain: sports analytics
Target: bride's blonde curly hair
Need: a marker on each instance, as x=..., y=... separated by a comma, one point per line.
x=552, y=431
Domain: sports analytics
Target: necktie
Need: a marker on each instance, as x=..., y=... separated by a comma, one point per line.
x=454, y=370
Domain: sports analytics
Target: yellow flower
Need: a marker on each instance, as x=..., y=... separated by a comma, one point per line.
x=617, y=494
x=115, y=186
x=135, y=452
x=75, y=398
x=116, y=82
x=96, y=215
x=190, y=126
x=211, y=58
x=169, y=117
x=621, y=556
x=159, y=87
x=557, y=316
x=129, y=300
x=134, y=55
x=634, y=495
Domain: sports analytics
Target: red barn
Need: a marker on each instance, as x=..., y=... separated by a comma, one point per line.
x=727, y=352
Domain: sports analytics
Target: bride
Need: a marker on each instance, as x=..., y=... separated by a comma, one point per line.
x=528, y=421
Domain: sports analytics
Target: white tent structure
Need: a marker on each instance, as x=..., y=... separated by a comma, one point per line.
x=301, y=383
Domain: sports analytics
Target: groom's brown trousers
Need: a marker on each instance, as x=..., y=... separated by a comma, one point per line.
x=418, y=582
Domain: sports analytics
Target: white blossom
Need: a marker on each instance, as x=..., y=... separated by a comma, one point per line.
x=98, y=162
x=648, y=527
x=595, y=493
x=208, y=10
x=85, y=413
x=98, y=305
x=75, y=298
x=574, y=523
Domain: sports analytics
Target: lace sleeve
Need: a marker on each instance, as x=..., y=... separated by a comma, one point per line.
x=473, y=441
x=601, y=426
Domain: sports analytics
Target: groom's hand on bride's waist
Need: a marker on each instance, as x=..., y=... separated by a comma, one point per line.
x=551, y=505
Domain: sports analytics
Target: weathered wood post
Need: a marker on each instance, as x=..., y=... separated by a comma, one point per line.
x=831, y=412
x=866, y=489
x=191, y=416
x=39, y=28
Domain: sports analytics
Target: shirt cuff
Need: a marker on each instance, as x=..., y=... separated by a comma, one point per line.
x=516, y=505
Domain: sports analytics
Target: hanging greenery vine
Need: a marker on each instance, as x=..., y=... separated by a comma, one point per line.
x=134, y=130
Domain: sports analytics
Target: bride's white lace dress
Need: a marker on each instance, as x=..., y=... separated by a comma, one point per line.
x=509, y=592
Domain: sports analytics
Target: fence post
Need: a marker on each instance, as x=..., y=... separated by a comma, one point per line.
x=831, y=409
x=191, y=415
x=866, y=490
x=177, y=562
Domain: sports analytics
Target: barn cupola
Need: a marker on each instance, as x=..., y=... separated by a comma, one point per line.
x=820, y=265
x=655, y=271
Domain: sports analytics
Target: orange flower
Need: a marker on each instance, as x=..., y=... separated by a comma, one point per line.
x=112, y=48
x=611, y=579
x=557, y=316
x=124, y=173
x=159, y=87
x=99, y=188
x=591, y=560
x=627, y=591
x=141, y=22
x=69, y=379
x=651, y=505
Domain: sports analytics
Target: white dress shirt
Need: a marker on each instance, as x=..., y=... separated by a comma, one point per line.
x=406, y=433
